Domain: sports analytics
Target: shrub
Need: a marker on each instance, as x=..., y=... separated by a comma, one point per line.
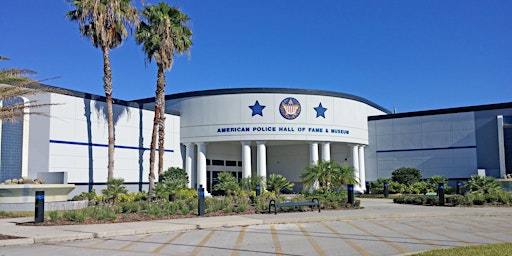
x=186, y=194
x=434, y=182
x=132, y=197
x=177, y=175
x=54, y=215
x=242, y=207
x=171, y=208
x=504, y=197
x=90, y=196
x=173, y=180
x=406, y=175
x=132, y=207
x=475, y=199
x=377, y=187
x=104, y=213
x=75, y=215
x=214, y=205
x=154, y=209
x=455, y=200
x=420, y=187
x=250, y=183
x=430, y=200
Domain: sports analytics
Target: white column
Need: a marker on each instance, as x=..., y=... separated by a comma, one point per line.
x=246, y=159
x=189, y=155
x=362, y=172
x=25, y=138
x=501, y=146
x=355, y=164
x=201, y=165
x=313, y=152
x=326, y=151
x=262, y=158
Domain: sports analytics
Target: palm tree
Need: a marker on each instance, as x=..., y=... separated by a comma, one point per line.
x=18, y=84
x=163, y=33
x=278, y=183
x=483, y=184
x=343, y=175
x=327, y=175
x=105, y=23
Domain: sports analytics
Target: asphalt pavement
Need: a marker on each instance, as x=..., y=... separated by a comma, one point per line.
x=373, y=209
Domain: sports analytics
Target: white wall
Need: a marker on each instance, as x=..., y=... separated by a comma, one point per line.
x=203, y=116
x=77, y=123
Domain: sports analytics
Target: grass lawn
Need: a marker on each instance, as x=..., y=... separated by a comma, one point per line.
x=478, y=250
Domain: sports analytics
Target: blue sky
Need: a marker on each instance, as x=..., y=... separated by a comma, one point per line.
x=412, y=55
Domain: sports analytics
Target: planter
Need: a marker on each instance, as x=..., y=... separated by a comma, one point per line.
x=25, y=193
x=506, y=184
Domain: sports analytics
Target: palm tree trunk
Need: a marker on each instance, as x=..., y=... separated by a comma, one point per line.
x=107, y=87
x=160, y=92
x=152, y=149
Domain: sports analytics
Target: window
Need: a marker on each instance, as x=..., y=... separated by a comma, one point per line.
x=218, y=162
x=230, y=163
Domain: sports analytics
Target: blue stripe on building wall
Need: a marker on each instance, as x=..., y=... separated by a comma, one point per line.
x=101, y=145
x=421, y=149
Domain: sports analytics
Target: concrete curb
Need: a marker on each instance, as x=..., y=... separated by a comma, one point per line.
x=17, y=241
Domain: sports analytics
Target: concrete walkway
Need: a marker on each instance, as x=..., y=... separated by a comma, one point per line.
x=373, y=209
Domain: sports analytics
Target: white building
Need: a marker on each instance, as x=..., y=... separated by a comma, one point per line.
x=260, y=131
x=253, y=131
x=72, y=137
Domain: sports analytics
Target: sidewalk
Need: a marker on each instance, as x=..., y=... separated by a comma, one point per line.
x=373, y=208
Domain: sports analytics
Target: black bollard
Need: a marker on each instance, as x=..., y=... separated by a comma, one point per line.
x=350, y=190
x=386, y=191
x=258, y=190
x=459, y=184
x=39, y=207
x=200, y=200
x=367, y=188
x=440, y=193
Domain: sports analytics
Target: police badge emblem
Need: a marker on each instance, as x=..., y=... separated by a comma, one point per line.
x=289, y=108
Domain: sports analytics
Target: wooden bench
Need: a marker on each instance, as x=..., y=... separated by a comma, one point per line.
x=314, y=202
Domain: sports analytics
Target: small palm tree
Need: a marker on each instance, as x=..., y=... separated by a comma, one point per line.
x=278, y=183
x=115, y=187
x=162, y=34
x=105, y=23
x=343, y=175
x=227, y=183
x=327, y=175
x=483, y=184
x=249, y=184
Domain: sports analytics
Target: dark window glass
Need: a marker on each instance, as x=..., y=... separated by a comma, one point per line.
x=239, y=163
x=230, y=163
x=218, y=162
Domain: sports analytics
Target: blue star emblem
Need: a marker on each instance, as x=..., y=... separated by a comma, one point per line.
x=320, y=110
x=257, y=109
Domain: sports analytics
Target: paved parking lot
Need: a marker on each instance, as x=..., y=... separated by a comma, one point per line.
x=376, y=236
